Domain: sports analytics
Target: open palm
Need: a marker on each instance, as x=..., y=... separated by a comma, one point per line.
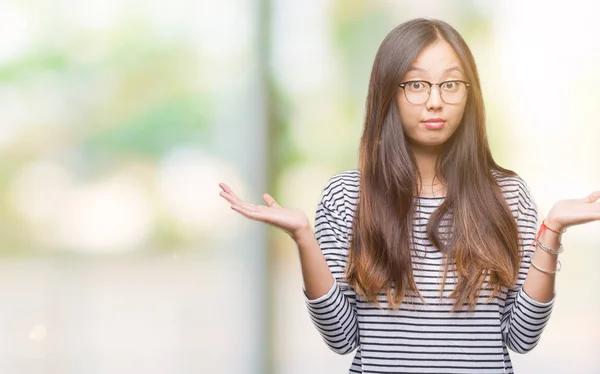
x=292, y=221
x=566, y=213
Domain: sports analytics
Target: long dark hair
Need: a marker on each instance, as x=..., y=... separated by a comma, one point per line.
x=482, y=248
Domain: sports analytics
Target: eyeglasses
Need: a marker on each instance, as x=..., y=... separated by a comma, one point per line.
x=451, y=92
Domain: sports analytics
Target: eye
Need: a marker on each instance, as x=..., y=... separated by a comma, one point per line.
x=450, y=86
x=417, y=86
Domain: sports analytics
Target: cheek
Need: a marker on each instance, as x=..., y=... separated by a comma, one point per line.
x=457, y=113
x=408, y=113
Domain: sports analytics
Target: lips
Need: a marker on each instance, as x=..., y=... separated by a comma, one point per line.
x=434, y=123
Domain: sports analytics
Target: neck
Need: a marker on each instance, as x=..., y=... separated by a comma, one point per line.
x=429, y=183
x=426, y=159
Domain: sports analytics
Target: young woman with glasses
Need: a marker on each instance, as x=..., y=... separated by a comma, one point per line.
x=429, y=257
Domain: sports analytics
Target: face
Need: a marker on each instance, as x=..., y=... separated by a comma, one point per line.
x=430, y=124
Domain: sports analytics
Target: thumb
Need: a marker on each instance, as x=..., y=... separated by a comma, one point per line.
x=593, y=196
x=270, y=201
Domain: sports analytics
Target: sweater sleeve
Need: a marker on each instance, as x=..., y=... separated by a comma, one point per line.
x=334, y=314
x=524, y=318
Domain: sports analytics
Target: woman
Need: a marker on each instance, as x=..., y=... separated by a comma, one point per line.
x=428, y=258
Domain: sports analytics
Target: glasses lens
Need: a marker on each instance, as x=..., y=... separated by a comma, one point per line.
x=453, y=92
x=417, y=92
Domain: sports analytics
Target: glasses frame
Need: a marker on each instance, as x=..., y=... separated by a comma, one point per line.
x=431, y=84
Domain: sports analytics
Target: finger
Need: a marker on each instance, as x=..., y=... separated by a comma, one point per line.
x=270, y=201
x=594, y=196
x=250, y=211
x=225, y=187
x=229, y=195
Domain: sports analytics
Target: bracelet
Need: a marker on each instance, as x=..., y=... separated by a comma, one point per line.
x=558, y=268
x=552, y=251
x=551, y=229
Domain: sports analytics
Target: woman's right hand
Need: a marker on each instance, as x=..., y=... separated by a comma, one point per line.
x=292, y=221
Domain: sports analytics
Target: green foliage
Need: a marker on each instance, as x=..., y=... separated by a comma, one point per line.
x=154, y=131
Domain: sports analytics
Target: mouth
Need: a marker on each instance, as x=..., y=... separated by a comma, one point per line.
x=434, y=123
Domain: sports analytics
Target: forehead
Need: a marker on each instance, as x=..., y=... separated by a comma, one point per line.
x=437, y=59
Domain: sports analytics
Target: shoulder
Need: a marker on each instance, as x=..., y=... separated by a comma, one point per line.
x=516, y=192
x=341, y=191
x=511, y=184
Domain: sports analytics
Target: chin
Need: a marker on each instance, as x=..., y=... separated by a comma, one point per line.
x=432, y=142
x=430, y=146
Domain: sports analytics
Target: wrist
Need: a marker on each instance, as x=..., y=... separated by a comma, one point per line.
x=553, y=225
x=302, y=235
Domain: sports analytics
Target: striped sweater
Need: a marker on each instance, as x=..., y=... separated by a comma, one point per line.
x=423, y=337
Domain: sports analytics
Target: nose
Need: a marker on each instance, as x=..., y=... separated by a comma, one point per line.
x=434, y=102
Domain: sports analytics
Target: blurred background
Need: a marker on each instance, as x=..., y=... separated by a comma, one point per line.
x=118, y=119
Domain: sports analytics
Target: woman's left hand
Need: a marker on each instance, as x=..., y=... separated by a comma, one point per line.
x=566, y=213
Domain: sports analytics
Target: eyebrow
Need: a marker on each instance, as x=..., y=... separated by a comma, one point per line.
x=452, y=68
